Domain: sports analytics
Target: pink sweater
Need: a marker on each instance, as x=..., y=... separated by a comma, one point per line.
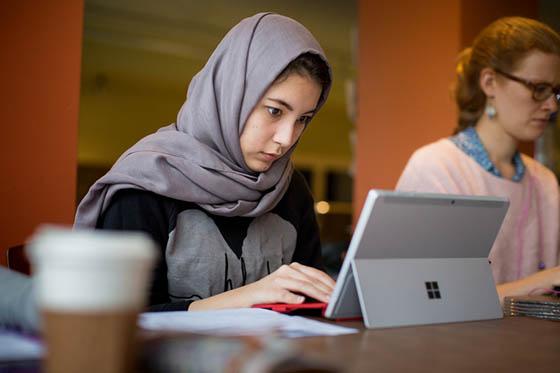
x=529, y=233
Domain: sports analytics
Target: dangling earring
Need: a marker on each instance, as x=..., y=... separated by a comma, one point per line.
x=490, y=111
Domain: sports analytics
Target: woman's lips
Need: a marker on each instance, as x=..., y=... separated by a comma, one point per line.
x=540, y=122
x=269, y=157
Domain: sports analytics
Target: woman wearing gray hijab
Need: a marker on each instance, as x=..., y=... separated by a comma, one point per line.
x=217, y=190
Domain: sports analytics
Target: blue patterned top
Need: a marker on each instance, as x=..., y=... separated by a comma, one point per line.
x=469, y=142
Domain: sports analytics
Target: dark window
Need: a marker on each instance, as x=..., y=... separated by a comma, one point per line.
x=339, y=186
x=308, y=176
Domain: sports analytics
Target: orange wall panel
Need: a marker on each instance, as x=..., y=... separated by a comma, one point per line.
x=407, y=52
x=40, y=43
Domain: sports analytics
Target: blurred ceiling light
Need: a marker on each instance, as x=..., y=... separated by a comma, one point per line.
x=322, y=207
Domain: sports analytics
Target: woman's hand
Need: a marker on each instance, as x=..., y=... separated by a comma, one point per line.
x=288, y=284
x=536, y=283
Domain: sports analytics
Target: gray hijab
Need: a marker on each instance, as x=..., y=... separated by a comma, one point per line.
x=199, y=158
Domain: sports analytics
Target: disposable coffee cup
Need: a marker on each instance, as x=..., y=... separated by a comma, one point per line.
x=91, y=285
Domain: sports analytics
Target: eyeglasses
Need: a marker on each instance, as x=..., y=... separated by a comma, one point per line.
x=541, y=91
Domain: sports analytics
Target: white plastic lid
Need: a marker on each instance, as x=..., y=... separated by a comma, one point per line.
x=65, y=244
x=91, y=270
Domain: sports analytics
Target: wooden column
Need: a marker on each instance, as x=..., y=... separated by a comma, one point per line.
x=40, y=43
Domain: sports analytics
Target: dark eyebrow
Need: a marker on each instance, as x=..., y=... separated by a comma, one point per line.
x=288, y=106
x=539, y=82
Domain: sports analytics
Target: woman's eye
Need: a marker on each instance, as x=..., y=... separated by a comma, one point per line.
x=273, y=111
x=305, y=119
x=542, y=88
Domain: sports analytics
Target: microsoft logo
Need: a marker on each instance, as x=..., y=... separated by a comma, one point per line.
x=432, y=288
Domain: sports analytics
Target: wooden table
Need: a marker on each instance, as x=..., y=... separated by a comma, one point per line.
x=512, y=344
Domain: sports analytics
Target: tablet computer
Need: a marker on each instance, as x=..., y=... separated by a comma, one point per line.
x=419, y=258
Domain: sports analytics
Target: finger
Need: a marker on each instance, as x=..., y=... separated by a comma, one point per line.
x=315, y=274
x=302, y=287
x=289, y=271
x=286, y=296
x=266, y=290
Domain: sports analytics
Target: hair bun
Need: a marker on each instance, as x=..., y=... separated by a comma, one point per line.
x=463, y=60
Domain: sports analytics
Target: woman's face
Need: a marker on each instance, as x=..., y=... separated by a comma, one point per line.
x=519, y=115
x=278, y=120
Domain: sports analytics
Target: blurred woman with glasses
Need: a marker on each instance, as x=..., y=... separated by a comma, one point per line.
x=507, y=89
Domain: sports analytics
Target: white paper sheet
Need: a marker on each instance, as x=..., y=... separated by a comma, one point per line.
x=14, y=346
x=243, y=321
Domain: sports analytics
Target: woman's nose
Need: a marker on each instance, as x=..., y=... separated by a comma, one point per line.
x=284, y=133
